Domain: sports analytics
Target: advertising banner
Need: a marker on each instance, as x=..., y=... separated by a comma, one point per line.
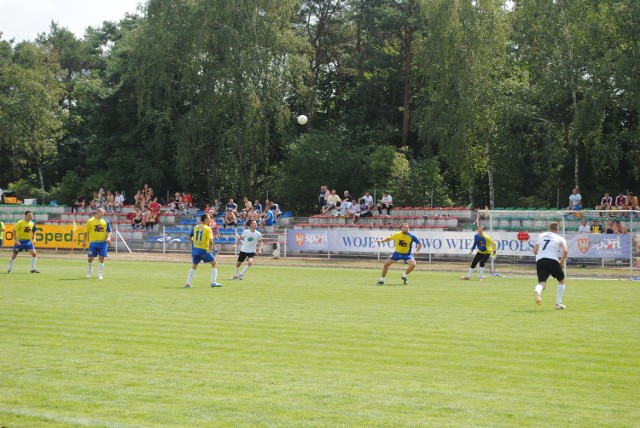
x=454, y=243
x=50, y=236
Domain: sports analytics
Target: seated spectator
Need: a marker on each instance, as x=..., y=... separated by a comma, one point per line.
x=230, y=219
x=232, y=206
x=584, y=227
x=136, y=222
x=154, y=206
x=595, y=228
x=138, y=200
x=247, y=206
x=215, y=207
x=632, y=201
x=619, y=228
x=148, y=219
x=606, y=202
x=610, y=228
x=187, y=202
x=118, y=203
x=269, y=218
x=344, y=207
x=276, y=209
x=575, y=201
x=171, y=205
x=96, y=202
x=354, y=211
x=365, y=210
x=321, y=201
x=110, y=202
x=253, y=215
x=385, y=203
x=332, y=202
x=79, y=204
x=367, y=199
x=347, y=196
x=257, y=206
x=621, y=201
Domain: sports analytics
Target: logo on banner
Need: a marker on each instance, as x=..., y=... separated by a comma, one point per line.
x=583, y=245
x=300, y=239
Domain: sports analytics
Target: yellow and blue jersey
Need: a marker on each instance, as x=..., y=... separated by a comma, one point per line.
x=202, y=236
x=97, y=230
x=23, y=230
x=484, y=244
x=403, y=242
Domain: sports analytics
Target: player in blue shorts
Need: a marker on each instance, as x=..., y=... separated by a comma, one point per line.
x=404, y=240
x=98, y=233
x=24, y=233
x=202, y=238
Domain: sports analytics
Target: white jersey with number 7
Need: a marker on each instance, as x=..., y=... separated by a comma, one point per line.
x=549, y=246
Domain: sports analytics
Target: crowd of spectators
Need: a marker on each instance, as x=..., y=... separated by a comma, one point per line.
x=331, y=203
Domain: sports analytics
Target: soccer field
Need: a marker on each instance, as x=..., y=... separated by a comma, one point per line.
x=296, y=346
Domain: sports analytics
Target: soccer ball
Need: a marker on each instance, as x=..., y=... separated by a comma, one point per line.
x=302, y=119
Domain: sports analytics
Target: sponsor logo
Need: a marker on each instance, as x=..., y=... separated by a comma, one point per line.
x=300, y=239
x=583, y=245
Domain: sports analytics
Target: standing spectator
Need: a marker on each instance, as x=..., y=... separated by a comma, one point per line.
x=24, y=232
x=251, y=244
x=119, y=202
x=486, y=248
x=202, y=238
x=321, y=201
x=621, y=201
x=547, y=248
x=606, y=202
x=98, y=233
x=385, y=203
x=575, y=201
x=404, y=240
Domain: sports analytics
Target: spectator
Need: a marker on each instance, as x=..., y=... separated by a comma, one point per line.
x=138, y=200
x=230, y=219
x=621, y=201
x=276, y=209
x=354, y=211
x=215, y=207
x=575, y=201
x=154, y=206
x=232, y=206
x=257, y=206
x=347, y=196
x=632, y=201
x=610, y=228
x=365, y=210
x=187, y=202
x=344, y=207
x=118, y=203
x=148, y=219
x=321, y=201
x=332, y=202
x=385, y=203
x=110, y=202
x=136, y=222
x=606, y=202
x=269, y=218
x=584, y=227
x=595, y=227
x=79, y=203
x=619, y=228
x=247, y=206
x=253, y=215
x=96, y=202
x=367, y=199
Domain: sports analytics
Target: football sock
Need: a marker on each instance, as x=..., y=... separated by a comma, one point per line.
x=192, y=272
x=237, y=269
x=382, y=279
x=33, y=262
x=89, y=267
x=214, y=275
x=470, y=272
x=100, y=268
x=539, y=288
x=559, y=294
x=480, y=272
x=246, y=268
x=11, y=262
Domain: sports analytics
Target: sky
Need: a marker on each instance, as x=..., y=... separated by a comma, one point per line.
x=25, y=19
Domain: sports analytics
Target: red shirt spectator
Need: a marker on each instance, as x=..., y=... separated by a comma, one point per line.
x=154, y=206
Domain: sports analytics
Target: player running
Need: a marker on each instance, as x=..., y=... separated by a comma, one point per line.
x=251, y=243
x=98, y=233
x=202, y=238
x=404, y=240
x=24, y=233
x=486, y=248
x=546, y=249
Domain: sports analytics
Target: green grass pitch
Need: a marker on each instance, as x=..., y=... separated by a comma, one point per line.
x=303, y=346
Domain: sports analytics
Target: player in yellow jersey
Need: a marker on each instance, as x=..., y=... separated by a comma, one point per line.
x=24, y=233
x=486, y=248
x=404, y=240
x=98, y=233
x=202, y=238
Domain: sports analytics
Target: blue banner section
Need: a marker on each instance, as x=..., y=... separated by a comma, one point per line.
x=307, y=240
x=599, y=246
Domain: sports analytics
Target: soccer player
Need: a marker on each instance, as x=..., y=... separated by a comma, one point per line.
x=202, y=238
x=24, y=232
x=251, y=240
x=98, y=233
x=546, y=249
x=404, y=240
x=486, y=248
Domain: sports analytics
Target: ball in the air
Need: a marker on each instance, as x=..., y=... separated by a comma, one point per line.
x=302, y=119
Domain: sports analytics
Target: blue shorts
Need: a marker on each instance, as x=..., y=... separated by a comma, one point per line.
x=23, y=246
x=97, y=249
x=269, y=222
x=199, y=255
x=397, y=256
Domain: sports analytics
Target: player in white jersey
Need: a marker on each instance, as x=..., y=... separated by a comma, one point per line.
x=551, y=252
x=251, y=244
